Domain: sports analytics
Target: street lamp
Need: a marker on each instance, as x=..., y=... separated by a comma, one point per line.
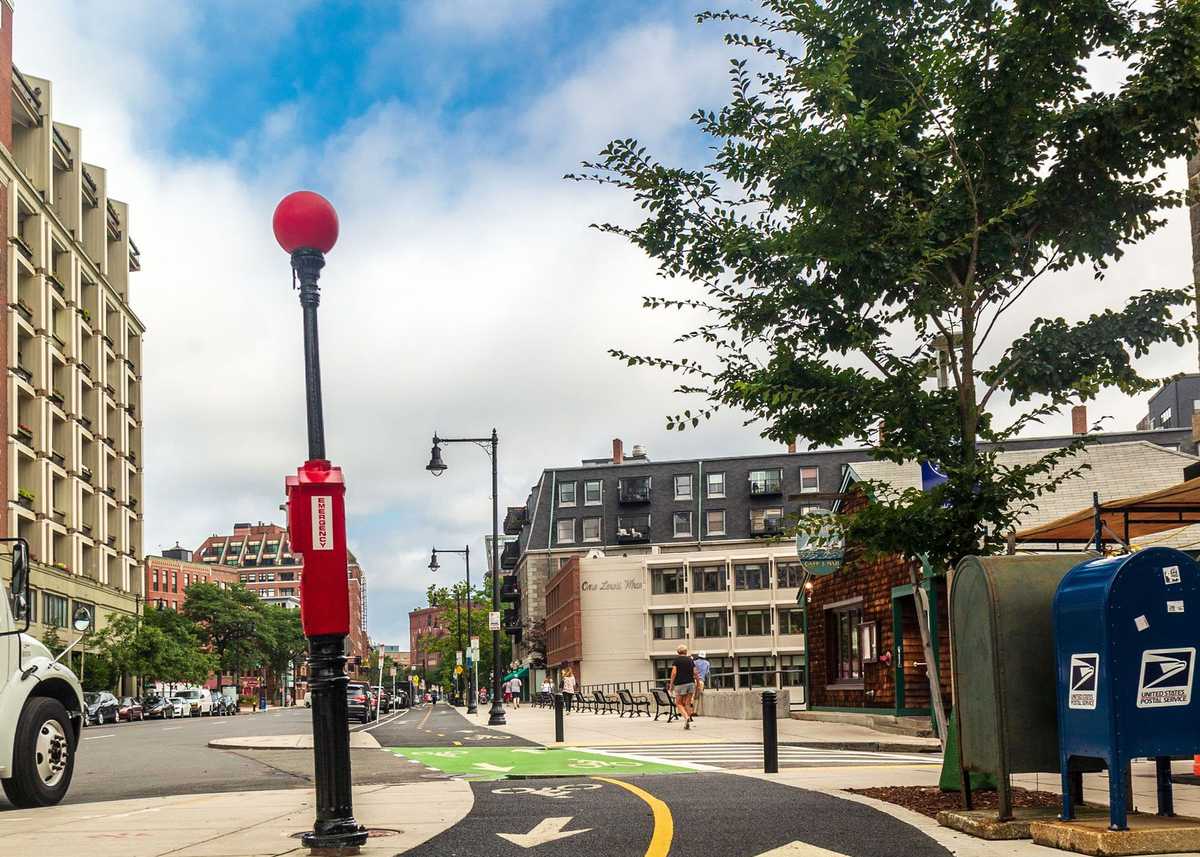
x=306, y=227
x=437, y=467
x=473, y=690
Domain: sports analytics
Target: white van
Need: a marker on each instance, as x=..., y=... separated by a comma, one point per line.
x=41, y=702
x=198, y=700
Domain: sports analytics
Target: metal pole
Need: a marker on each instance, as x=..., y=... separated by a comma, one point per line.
x=496, y=715
x=473, y=673
x=458, y=684
x=558, y=718
x=335, y=826
x=770, y=734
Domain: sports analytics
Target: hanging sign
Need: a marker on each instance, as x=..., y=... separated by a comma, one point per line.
x=820, y=554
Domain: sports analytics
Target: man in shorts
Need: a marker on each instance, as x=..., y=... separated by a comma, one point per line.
x=683, y=682
x=703, y=667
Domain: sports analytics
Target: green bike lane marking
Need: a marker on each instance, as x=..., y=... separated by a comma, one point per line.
x=497, y=763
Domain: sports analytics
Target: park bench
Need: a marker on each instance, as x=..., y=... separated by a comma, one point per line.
x=543, y=700
x=631, y=705
x=602, y=704
x=580, y=702
x=663, y=704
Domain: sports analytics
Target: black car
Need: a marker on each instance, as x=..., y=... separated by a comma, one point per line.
x=360, y=702
x=157, y=706
x=101, y=708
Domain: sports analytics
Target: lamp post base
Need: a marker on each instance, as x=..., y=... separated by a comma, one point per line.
x=343, y=836
x=496, y=714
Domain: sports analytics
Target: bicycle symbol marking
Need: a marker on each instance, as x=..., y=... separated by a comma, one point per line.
x=564, y=792
x=603, y=763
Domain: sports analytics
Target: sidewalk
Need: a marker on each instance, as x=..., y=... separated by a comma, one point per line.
x=236, y=824
x=584, y=729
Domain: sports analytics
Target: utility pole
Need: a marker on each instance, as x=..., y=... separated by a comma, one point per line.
x=1194, y=189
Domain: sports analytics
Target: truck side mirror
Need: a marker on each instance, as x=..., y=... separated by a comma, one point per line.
x=20, y=584
x=82, y=619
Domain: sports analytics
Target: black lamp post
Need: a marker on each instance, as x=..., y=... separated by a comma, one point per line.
x=306, y=226
x=472, y=691
x=437, y=467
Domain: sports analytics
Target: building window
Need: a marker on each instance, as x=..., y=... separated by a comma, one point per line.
x=754, y=623
x=789, y=575
x=714, y=522
x=667, y=581
x=287, y=590
x=844, y=641
x=751, y=577
x=720, y=674
x=1164, y=419
x=681, y=523
x=634, y=489
x=662, y=670
x=287, y=575
x=632, y=529
x=791, y=670
x=33, y=605
x=154, y=580
x=716, y=485
x=711, y=579
x=593, y=492
x=268, y=576
x=791, y=620
x=683, y=486
x=668, y=626
x=712, y=623
x=810, y=480
x=566, y=493
x=565, y=530
x=766, y=481
x=268, y=593
x=174, y=581
x=562, y=561
x=868, y=642
x=54, y=610
x=245, y=577
x=764, y=522
x=591, y=529
x=756, y=671
x=187, y=581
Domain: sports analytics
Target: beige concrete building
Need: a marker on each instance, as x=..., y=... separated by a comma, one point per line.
x=619, y=619
x=72, y=407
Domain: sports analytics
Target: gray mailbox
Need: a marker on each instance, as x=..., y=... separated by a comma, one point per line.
x=1002, y=642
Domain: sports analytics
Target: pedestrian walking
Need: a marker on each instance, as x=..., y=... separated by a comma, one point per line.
x=516, y=684
x=568, y=688
x=683, y=682
x=703, y=667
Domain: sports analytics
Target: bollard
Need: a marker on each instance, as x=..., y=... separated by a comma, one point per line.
x=770, y=734
x=558, y=718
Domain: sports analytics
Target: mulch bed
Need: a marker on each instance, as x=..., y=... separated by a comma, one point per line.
x=930, y=800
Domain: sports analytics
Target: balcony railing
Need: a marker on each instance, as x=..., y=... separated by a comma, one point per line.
x=28, y=96
x=632, y=535
x=91, y=192
x=23, y=248
x=515, y=519
x=135, y=257
x=766, y=527
x=633, y=491
x=766, y=487
x=510, y=589
x=510, y=555
x=113, y=221
x=23, y=309
x=62, y=148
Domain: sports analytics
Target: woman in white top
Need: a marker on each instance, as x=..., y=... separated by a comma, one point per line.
x=568, y=687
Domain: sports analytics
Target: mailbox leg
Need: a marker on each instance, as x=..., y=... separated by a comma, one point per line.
x=1004, y=794
x=1166, y=800
x=1068, y=803
x=1118, y=808
x=1077, y=787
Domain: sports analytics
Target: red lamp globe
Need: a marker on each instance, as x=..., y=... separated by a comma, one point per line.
x=305, y=221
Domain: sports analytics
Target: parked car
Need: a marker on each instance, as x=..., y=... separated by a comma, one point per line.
x=180, y=707
x=199, y=701
x=100, y=708
x=157, y=706
x=384, y=697
x=131, y=709
x=220, y=704
x=361, y=703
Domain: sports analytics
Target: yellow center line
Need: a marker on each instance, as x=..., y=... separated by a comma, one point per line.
x=664, y=825
x=426, y=717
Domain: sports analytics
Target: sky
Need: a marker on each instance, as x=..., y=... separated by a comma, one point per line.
x=466, y=291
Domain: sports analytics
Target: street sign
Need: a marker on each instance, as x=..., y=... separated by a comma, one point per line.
x=458, y=658
x=475, y=643
x=494, y=620
x=458, y=670
x=822, y=553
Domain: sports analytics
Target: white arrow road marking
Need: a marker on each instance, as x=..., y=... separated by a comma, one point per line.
x=530, y=750
x=488, y=766
x=545, y=831
x=800, y=849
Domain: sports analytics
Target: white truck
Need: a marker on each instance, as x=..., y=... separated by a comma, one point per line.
x=41, y=701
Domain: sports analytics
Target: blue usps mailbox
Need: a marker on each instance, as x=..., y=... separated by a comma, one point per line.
x=1126, y=632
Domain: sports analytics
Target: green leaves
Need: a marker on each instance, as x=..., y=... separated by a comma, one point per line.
x=887, y=176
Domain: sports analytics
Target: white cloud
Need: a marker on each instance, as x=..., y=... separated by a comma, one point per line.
x=466, y=290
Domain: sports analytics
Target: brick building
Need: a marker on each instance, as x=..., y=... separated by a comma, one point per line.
x=266, y=565
x=167, y=577
x=425, y=622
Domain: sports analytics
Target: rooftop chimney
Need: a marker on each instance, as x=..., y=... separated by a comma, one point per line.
x=792, y=446
x=618, y=451
x=1079, y=423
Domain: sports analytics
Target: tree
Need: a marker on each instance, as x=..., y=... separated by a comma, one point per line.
x=227, y=619
x=446, y=645
x=280, y=638
x=162, y=646
x=893, y=183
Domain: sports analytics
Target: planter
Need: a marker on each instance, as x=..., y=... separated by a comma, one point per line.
x=27, y=502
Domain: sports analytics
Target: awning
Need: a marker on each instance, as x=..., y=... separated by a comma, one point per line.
x=517, y=673
x=1130, y=518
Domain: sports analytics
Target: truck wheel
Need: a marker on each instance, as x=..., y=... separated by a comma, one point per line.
x=43, y=755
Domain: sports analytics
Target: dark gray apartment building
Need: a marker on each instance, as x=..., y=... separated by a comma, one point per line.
x=1174, y=405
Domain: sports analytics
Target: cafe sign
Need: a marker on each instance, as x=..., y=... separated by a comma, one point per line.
x=821, y=553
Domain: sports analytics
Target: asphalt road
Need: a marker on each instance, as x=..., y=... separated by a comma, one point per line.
x=441, y=726
x=168, y=757
x=692, y=815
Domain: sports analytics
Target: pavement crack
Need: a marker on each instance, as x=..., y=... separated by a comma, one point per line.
x=225, y=833
x=302, y=777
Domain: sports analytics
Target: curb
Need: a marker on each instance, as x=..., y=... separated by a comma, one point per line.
x=358, y=741
x=864, y=746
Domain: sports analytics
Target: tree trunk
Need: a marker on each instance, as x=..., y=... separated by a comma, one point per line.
x=921, y=601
